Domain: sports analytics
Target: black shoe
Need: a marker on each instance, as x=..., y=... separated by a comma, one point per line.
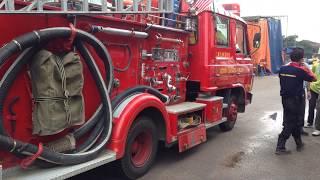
x=299, y=143
x=308, y=125
x=282, y=152
x=300, y=147
x=304, y=133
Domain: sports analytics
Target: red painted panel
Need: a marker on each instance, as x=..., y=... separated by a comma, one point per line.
x=213, y=110
x=192, y=137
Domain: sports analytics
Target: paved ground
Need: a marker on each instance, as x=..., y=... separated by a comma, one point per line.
x=245, y=153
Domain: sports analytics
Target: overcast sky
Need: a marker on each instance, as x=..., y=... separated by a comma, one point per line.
x=303, y=16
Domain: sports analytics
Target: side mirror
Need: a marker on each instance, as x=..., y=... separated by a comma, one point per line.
x=256, y=40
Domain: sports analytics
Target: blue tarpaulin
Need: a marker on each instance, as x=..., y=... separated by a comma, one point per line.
x=275, y=44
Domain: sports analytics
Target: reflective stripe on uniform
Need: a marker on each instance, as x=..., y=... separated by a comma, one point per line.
x=288, y=75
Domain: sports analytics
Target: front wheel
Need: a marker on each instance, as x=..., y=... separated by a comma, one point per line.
x=231, y=114
x=141, y=148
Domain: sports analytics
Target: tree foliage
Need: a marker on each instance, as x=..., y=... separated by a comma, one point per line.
x=309, y=47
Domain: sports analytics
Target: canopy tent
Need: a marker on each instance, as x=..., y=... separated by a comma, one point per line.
x=269, y=55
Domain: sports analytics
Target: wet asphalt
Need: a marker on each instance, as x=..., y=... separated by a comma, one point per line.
x=245, y=153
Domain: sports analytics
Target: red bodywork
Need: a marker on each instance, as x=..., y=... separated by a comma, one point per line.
x=218, y=67
x=213, y=111
x=215, y=68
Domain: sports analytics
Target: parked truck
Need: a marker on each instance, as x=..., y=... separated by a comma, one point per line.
x=85, y=84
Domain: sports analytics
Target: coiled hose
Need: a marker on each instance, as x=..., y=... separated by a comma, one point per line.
x=102, y=118
x=40, y=37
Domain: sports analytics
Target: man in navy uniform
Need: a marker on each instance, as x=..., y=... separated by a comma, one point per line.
x=291, y=77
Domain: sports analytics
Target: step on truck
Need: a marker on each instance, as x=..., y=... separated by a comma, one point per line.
x=85, y=83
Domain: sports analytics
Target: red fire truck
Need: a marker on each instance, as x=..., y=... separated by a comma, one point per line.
x=86, y=83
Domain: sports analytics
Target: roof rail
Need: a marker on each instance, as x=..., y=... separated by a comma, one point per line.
x=85, y=7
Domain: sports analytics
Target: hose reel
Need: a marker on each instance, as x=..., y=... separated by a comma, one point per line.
x=101, y=120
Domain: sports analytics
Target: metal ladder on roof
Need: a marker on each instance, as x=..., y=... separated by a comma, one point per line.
x=85, y=7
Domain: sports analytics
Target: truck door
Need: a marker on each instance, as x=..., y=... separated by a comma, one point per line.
x=224, y=57
x=243, y=61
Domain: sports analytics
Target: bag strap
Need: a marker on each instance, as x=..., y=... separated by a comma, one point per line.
x=64, y=88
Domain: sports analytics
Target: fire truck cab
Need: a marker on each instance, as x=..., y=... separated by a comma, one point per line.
x=224, y=60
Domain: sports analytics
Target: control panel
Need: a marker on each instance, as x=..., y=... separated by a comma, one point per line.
x=164, y=67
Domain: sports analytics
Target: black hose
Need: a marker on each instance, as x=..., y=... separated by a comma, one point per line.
x=6, y=84
x=40, y=37
x=138, y=89
x=115, y=103
x=90, y=141
x=45, y=35
x=117, y=100
x=97, y=130
x=78, y=133
x=28, y=148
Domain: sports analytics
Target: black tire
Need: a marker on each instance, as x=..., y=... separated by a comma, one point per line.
x=143, y=128
x=231, y=114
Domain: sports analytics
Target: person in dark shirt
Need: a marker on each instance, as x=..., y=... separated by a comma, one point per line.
x=292, y=93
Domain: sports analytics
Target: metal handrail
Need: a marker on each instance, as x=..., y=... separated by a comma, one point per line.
x=94, y=7
x=8, y=6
